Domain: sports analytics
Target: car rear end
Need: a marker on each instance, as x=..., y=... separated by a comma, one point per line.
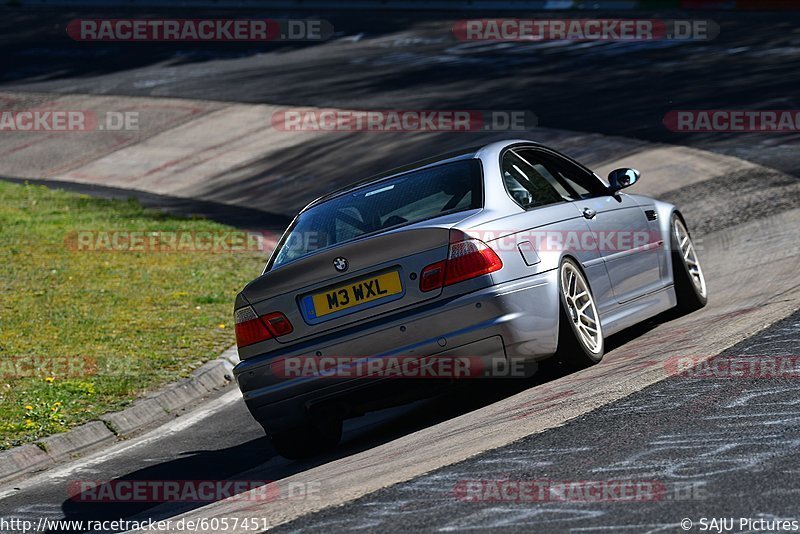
x=377, y=272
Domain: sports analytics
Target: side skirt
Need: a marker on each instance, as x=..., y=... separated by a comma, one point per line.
x=637, y=310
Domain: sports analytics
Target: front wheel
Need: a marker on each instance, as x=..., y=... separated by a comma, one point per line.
x=690, y=284
x=580, y=335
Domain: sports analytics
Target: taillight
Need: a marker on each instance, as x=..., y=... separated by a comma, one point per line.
x=465, y=260
x=432, y=276
x=250, y=328
x=278, y=324
x=469, y=259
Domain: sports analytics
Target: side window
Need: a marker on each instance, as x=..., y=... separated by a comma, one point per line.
x=581, y=183
x=531, y=184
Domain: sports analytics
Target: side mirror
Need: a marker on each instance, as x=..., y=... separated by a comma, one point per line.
x=622, y=178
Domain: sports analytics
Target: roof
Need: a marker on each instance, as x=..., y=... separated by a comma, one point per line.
x=465, y=153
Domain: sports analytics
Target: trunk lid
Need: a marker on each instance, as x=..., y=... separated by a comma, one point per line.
x=382, y=276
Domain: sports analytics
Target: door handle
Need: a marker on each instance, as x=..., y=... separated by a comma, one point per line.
x=589, y=213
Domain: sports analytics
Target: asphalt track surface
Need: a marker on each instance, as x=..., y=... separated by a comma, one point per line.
x=754, y=285
x=752, y=271
x=748, y=223
x=387, y=60
x=724, y=447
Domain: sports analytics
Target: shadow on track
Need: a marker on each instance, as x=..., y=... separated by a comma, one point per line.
x=255, y=460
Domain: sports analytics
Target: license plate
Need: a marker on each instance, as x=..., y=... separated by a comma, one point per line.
x=352, y=294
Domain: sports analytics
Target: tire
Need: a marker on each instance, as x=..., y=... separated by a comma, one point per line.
x=690, y=284
x=307, y=440
x=580, y=335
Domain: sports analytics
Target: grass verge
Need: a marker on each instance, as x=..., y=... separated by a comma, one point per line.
x=84, y=333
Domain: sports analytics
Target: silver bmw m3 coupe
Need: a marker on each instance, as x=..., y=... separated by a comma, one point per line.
x=510, y=252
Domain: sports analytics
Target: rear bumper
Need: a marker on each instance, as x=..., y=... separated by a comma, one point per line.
x=514, y=320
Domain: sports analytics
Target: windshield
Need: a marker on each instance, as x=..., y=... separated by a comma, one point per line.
x=382, y=205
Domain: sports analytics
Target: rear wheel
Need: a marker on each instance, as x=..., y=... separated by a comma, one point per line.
x=308, y=439
x=580, y=336
x=690, y=284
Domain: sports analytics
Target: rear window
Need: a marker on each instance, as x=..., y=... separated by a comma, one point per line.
x=383, y=205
